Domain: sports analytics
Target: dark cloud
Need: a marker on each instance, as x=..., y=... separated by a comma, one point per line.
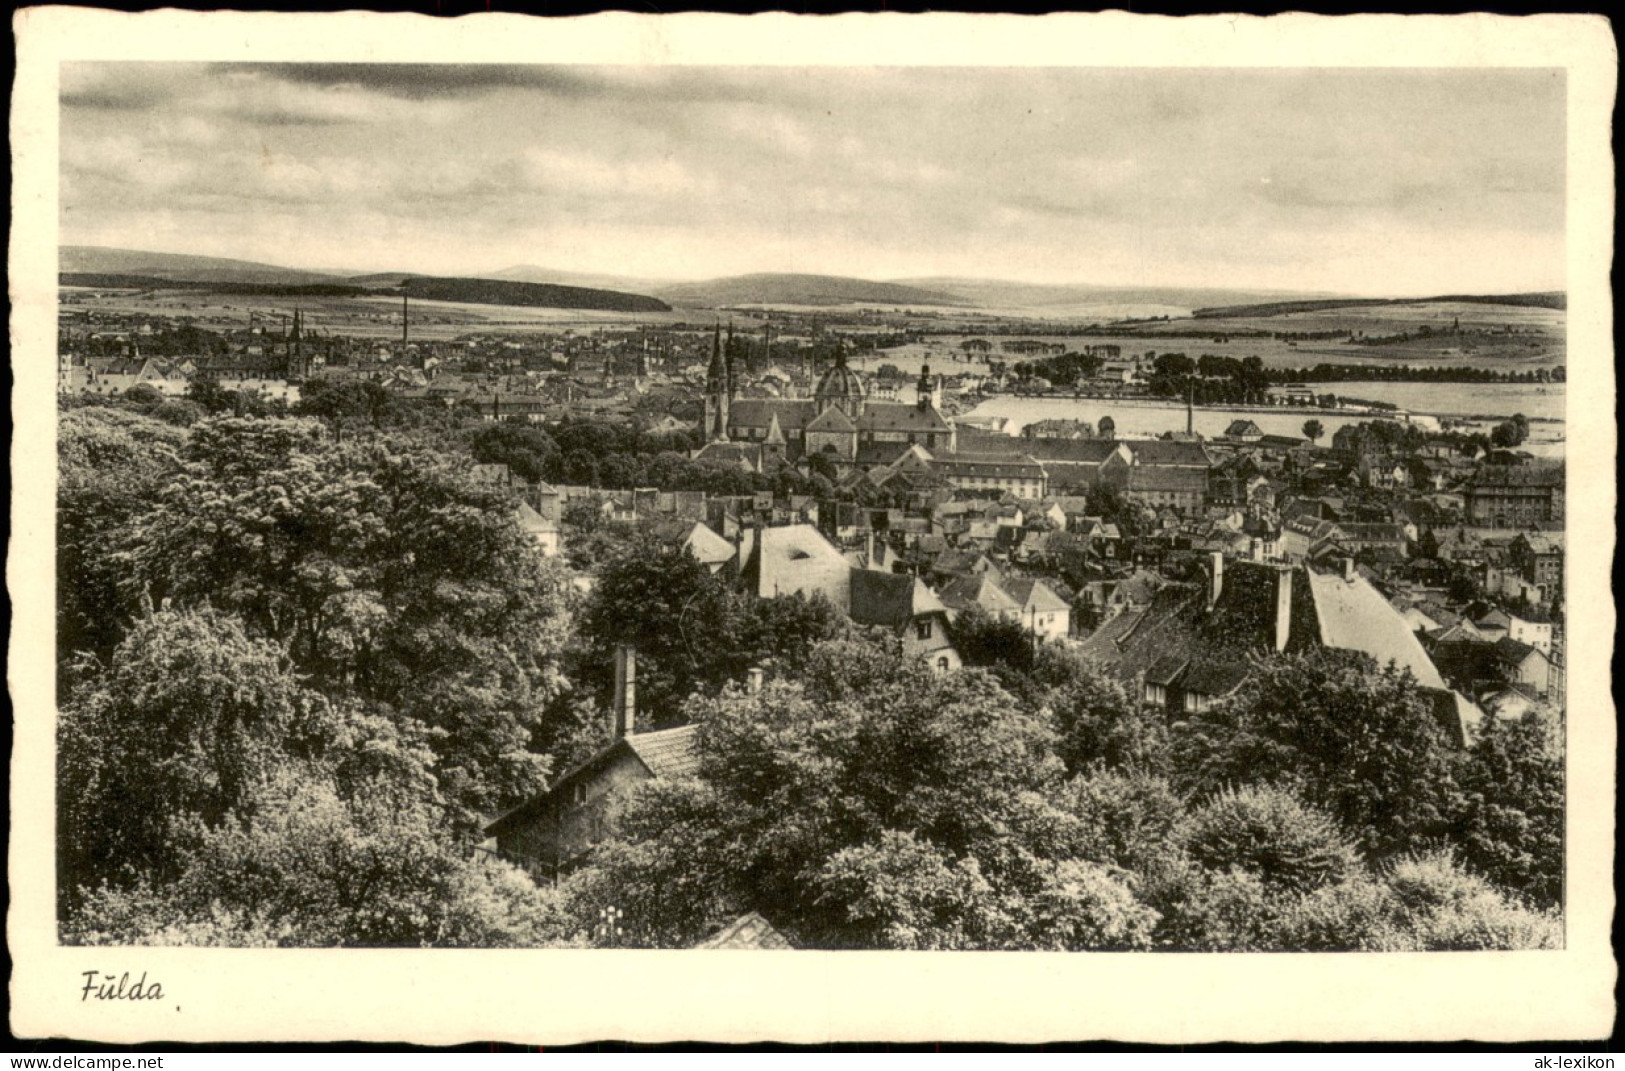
x=424, y=81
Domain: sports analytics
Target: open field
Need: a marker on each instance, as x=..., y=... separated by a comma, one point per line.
x=359, y=316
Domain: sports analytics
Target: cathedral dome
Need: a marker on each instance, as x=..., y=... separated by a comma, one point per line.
x=841, y=387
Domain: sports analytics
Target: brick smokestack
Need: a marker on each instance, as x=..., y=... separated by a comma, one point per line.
x=626, y=690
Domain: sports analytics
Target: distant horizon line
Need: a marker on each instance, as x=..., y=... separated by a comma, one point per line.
x=915, y=279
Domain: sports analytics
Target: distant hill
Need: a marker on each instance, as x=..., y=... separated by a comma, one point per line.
x=99, y=260
x=536, y=295
x=1547, y=300
x=381, y=278
x=999, y=293
x=109, y=281
x=533, y=273
x=799, y=290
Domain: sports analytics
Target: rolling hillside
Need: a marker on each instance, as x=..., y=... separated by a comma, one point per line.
x=998, y=293
x=535, y=273
x=539, y=295
x=1550, y=300
x=107, y=281
x=98, y=260
x=799, y=290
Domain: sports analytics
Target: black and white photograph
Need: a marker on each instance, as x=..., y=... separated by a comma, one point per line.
x=926, y=508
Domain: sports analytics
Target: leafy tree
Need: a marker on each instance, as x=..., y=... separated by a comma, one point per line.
x=190, y=714
x=987, y=641
x=385, y=574
x=871, y=801
x=1510, y=433
x=312, y=867
x=1511, y=825
x=110, y=464
x=689, y=626
x=1270, y=835
x=350, y=404
x=1313, y=430
x=1359, y=741
x=1125, y=819
x=1100, y=726
x=1448, y=909
x=143, y=396
x=528, y=451
x=1107, y=427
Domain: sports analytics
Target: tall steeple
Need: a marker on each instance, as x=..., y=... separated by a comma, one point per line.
x=922, y=390
x=733, y=374
x=717, y=392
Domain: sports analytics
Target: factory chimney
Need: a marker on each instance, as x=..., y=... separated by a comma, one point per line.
x=626, y=690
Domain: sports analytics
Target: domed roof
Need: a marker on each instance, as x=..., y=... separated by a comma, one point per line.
x=840, y=383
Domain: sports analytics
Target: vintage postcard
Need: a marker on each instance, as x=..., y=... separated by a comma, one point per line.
x=908, y=528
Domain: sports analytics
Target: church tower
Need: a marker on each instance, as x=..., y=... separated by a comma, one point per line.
x=718, y=393
x=295, y=368
x=927, y=391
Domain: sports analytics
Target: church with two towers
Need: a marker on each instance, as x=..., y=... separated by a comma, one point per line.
x=840, y=421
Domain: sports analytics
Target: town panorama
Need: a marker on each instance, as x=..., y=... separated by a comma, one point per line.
x=523, y=607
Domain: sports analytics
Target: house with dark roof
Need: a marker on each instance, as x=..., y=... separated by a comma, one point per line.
x=908, y=609
x=1249, y=609
x=962, y=594
x=554, y=832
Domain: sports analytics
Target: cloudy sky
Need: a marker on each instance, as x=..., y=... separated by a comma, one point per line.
x=1377, y=182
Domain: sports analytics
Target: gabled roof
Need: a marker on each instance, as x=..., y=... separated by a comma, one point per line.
x=1165, y=670
x=748, y=931
x=1543, y=475
x=1174, y=479
x=890, y=599
x=985, y=465
x=1076, y=451
x=979, y=591
x=707, y=546
x=1034, y=595
x=1353, y=615
x=1213, y=678
x=832, y=419
x=1510, y=650
x=1169, y=452
x=899, y=416
x=795, y=558
x=748, y=455
x=668, y=753
x=532, y=523
x=759, y=412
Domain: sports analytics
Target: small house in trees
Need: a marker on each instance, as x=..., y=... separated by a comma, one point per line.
x=554, y=832
x=541, y=530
